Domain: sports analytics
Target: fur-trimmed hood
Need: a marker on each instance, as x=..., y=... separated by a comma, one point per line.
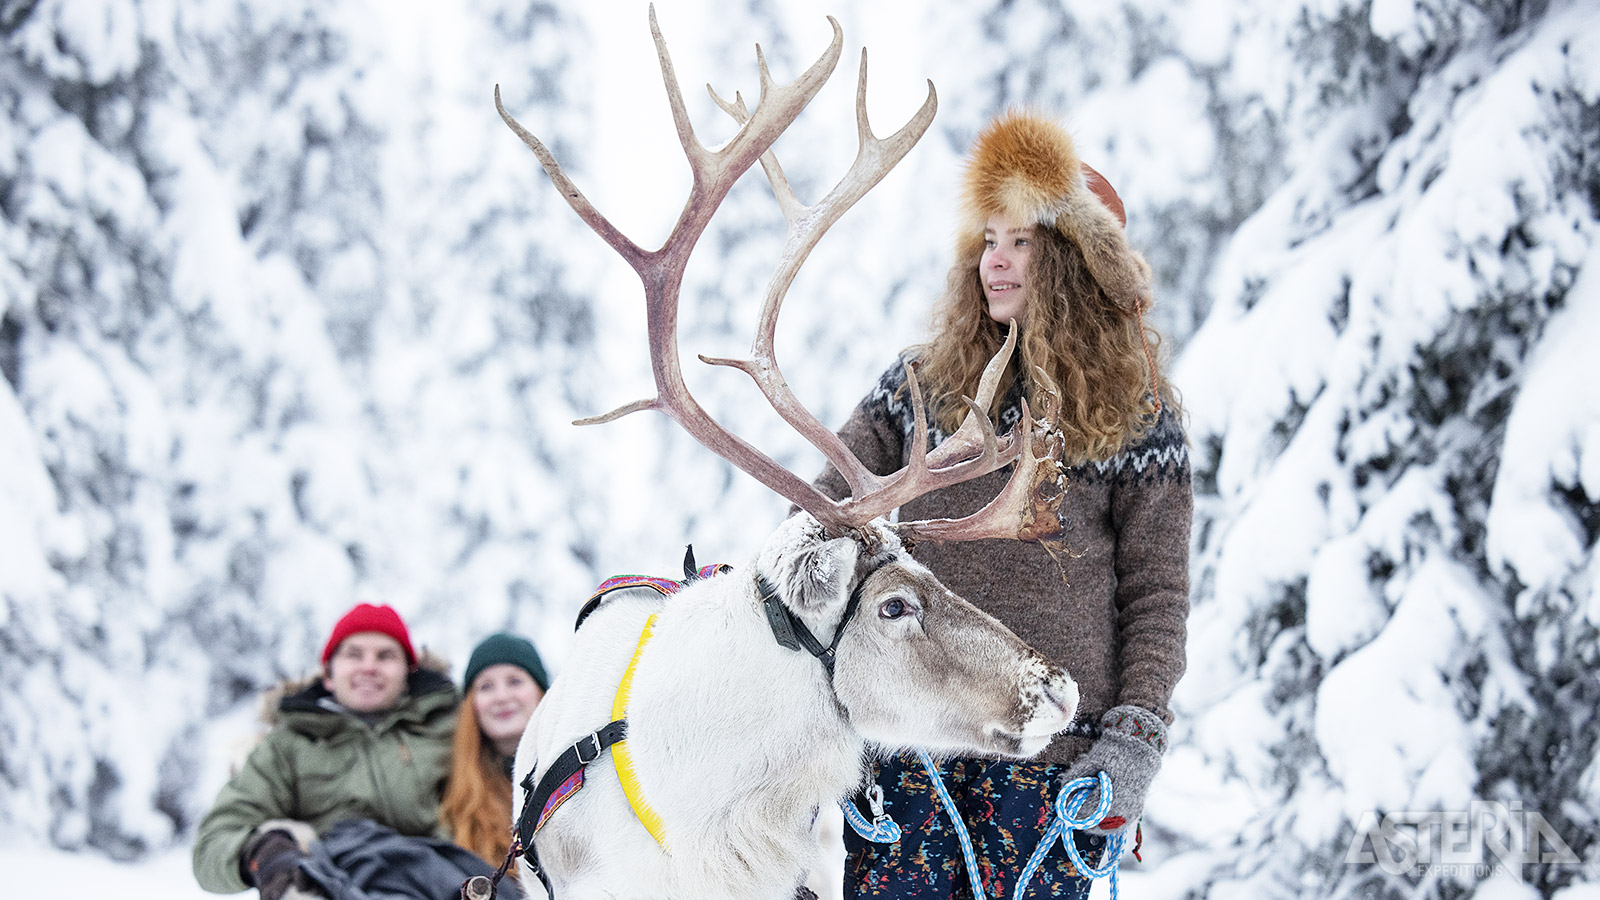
x=431, y=674
x=1025, y=166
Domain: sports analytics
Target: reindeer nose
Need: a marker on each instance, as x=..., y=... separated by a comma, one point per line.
x=1062, y=692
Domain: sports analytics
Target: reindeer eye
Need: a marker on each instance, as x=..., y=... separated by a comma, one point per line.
x=892, y=608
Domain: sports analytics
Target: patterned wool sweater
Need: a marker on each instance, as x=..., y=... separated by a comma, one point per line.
x=1111, y=607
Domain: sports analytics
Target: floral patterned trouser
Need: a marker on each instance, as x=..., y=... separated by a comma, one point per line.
x=1006, y=806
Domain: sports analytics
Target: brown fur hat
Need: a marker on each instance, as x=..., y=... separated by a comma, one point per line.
x=1025, y=166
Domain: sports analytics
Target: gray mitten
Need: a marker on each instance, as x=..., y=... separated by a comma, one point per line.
x=1128, y=750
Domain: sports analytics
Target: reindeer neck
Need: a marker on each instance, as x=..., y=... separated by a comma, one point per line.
x=725, y=717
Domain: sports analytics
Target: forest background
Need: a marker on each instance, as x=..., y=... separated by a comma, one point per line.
x=288, y=319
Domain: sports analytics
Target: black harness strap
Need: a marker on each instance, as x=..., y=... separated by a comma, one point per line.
x=571, y=760
x=792, y=633
x=579, y=755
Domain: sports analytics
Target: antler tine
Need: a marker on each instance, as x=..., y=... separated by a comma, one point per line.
x=661, y=271
x=1028, y=508
x=692, y=147
x=766, y=75
x=715, y=171
x=976, y=431
x=574, y=197
x=981, y=453
x=788, y=203
x=806, y=226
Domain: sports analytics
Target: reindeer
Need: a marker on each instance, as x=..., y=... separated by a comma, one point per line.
x=727, y=739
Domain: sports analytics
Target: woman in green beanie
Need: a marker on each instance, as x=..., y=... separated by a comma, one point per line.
x=504, y=681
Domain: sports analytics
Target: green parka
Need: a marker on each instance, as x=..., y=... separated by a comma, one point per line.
x=321, y=765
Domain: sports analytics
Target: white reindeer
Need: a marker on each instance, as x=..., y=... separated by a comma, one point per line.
x=734, y=739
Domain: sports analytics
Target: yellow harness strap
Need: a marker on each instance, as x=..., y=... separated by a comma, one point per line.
x=621, y=758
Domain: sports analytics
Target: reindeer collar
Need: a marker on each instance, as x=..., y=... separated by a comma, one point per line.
x=793, y=634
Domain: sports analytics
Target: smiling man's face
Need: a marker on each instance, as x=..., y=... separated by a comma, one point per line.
x=367, y=674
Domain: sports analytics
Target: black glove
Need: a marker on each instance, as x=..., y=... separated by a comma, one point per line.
x=272, y=863
x=1128, y=750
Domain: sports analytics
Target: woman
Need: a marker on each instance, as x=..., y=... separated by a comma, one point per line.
x=1042, y=244
x=504, y=681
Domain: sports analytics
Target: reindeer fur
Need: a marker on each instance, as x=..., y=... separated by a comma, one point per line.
x=737, y=741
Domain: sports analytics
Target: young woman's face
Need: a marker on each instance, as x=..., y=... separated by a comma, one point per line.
x=1003, y=268
x=504, y=696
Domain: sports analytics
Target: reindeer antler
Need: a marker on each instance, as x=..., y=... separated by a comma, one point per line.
x=973, y=451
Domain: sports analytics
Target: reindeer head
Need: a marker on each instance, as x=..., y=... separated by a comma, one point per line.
x=916, y=665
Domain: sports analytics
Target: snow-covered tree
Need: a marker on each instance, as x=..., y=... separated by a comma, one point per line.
x=1396, y=452
x=240, y=393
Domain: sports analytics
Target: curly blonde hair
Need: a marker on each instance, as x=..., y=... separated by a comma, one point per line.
x=1076, y=343
x=476, y=809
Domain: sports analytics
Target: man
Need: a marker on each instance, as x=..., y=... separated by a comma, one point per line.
x=369, y=740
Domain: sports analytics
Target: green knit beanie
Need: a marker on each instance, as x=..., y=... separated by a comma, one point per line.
x=509, y=649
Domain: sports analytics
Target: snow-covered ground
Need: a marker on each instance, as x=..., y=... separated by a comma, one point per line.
x=34, y=871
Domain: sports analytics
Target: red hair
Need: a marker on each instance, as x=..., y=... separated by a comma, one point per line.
x=476, y=809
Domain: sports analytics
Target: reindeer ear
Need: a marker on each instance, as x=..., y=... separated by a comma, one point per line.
x=809, y=570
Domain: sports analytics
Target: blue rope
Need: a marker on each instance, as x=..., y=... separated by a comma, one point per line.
x=882, y=829
x=1068, y=803
x=955, y=819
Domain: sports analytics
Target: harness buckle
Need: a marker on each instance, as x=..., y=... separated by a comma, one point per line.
x=594, y=738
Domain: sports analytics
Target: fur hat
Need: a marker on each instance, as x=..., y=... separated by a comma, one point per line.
x=511, y=650
x=367, y=617
x=1025, y=167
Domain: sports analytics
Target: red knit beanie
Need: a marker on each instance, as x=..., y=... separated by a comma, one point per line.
x=366, y=617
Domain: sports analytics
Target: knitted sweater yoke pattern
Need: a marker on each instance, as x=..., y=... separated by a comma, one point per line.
x=1111, y=604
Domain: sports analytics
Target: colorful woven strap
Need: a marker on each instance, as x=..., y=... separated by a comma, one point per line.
x=665, y=586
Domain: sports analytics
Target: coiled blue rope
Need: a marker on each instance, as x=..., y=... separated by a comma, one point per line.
x=1071, y=799
x=1068, y=803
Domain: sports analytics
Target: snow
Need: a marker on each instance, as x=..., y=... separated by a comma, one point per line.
x=1552, y=441
x=38, y=871
x=1384, y=717
x=25, y=494
x=291, y=320
x=1342, y=610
